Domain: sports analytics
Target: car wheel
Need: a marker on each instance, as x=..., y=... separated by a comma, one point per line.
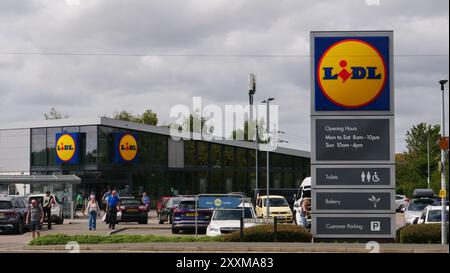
x=175, y=230
x=19, y=228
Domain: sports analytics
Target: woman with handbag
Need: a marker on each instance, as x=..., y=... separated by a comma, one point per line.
x=93, y=210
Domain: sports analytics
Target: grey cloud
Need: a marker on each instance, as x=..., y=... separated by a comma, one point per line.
x=86, y=86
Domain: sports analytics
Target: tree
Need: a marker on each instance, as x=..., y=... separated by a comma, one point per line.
x=125, y=115
x=148, y=117
x=249, y=135
x=412, y=166
x=189, y=125
x=53, y=114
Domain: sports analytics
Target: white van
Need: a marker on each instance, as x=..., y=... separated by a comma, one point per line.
x=304, y=191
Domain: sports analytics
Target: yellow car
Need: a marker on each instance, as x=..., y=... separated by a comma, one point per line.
x=278, y=207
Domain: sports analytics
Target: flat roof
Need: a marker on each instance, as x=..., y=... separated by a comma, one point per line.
x=145, y=128
x=34, y=179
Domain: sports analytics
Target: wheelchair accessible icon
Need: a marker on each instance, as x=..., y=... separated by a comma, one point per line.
x=368, y=177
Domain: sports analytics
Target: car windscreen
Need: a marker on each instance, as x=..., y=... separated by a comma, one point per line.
x=38, y=199
x=434, y=216
x=130, y=202
x=5, y=205
x=173, y=202
x=419, y=205
x=276, y=202
x=306, y=192
x=232, y=214
x=187, y=205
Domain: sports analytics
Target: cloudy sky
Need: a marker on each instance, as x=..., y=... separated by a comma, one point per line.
x=103, y=56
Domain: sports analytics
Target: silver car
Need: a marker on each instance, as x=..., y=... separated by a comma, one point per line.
x=415, y=208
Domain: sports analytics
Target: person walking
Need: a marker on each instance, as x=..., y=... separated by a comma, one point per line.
x=105, y=197
x=35, y=218
x=146, y=200
x=80, y=202
x=113, y=203
x=47, y=203
x=306, y=206
x=93, y=210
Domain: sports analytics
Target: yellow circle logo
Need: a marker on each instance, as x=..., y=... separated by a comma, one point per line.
x=65, y=147
x=128, y=147
x=217, y=202
x=351, y=73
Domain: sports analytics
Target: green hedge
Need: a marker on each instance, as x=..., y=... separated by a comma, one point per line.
x=419, y=234
x=62, y=239
x=264, y=233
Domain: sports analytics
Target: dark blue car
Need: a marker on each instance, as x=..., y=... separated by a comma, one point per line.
x=184, y=217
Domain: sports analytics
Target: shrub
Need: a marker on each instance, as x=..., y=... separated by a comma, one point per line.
x=264, y=233
x=420, y=234
x=62, y=239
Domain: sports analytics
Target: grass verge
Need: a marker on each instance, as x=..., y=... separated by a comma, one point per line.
x=62, y=239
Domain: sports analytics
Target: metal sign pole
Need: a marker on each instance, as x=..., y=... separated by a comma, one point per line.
x=196, y=198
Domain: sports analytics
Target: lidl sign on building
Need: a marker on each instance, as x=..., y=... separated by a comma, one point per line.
x=352, y=136
x=126, y=147
x=352, y=73
x=67, y=148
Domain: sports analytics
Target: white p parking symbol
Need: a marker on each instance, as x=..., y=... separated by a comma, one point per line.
x=375, y=226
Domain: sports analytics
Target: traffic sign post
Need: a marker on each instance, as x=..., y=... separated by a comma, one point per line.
x=352, y=135
x=220, y=202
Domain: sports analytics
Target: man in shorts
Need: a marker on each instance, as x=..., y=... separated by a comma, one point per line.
x=35, y=218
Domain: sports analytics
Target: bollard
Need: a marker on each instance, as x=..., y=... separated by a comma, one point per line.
x=275, y=228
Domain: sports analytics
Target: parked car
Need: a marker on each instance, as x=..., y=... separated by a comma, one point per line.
x=161, y=202
x=288, y=193
x=415, y=208
x=227, y=221
x=431, y=215
x=56, y=211
x=184, y=217
x=13, y=213
x=278, y=206
x=304, y=191
x=401, y=202
x=421, y=198
x=166, y=212
x=132, y=210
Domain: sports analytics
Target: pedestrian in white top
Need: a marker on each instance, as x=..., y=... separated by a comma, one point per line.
x=93, y=209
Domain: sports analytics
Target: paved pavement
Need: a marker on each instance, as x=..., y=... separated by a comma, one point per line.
x=12, y=242
x=221, y=247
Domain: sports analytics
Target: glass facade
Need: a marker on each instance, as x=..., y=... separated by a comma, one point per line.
x=208, y=167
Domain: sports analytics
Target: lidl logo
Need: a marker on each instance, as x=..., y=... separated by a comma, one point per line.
x=66, y=147
x=128, y=147
x=351, y=73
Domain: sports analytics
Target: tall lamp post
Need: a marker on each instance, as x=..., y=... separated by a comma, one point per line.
x=251, y=92
x=443, y=220
x=267, y=101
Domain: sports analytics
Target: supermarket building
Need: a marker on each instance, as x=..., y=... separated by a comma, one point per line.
x=152, y=161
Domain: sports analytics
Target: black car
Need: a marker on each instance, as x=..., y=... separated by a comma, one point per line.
x=166, y=212
x=13, y=213
x=132, y=210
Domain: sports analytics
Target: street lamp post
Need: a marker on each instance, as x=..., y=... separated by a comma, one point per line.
x=428, y=157
x=251, y=92
x=267, y=101
x=443, y=219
